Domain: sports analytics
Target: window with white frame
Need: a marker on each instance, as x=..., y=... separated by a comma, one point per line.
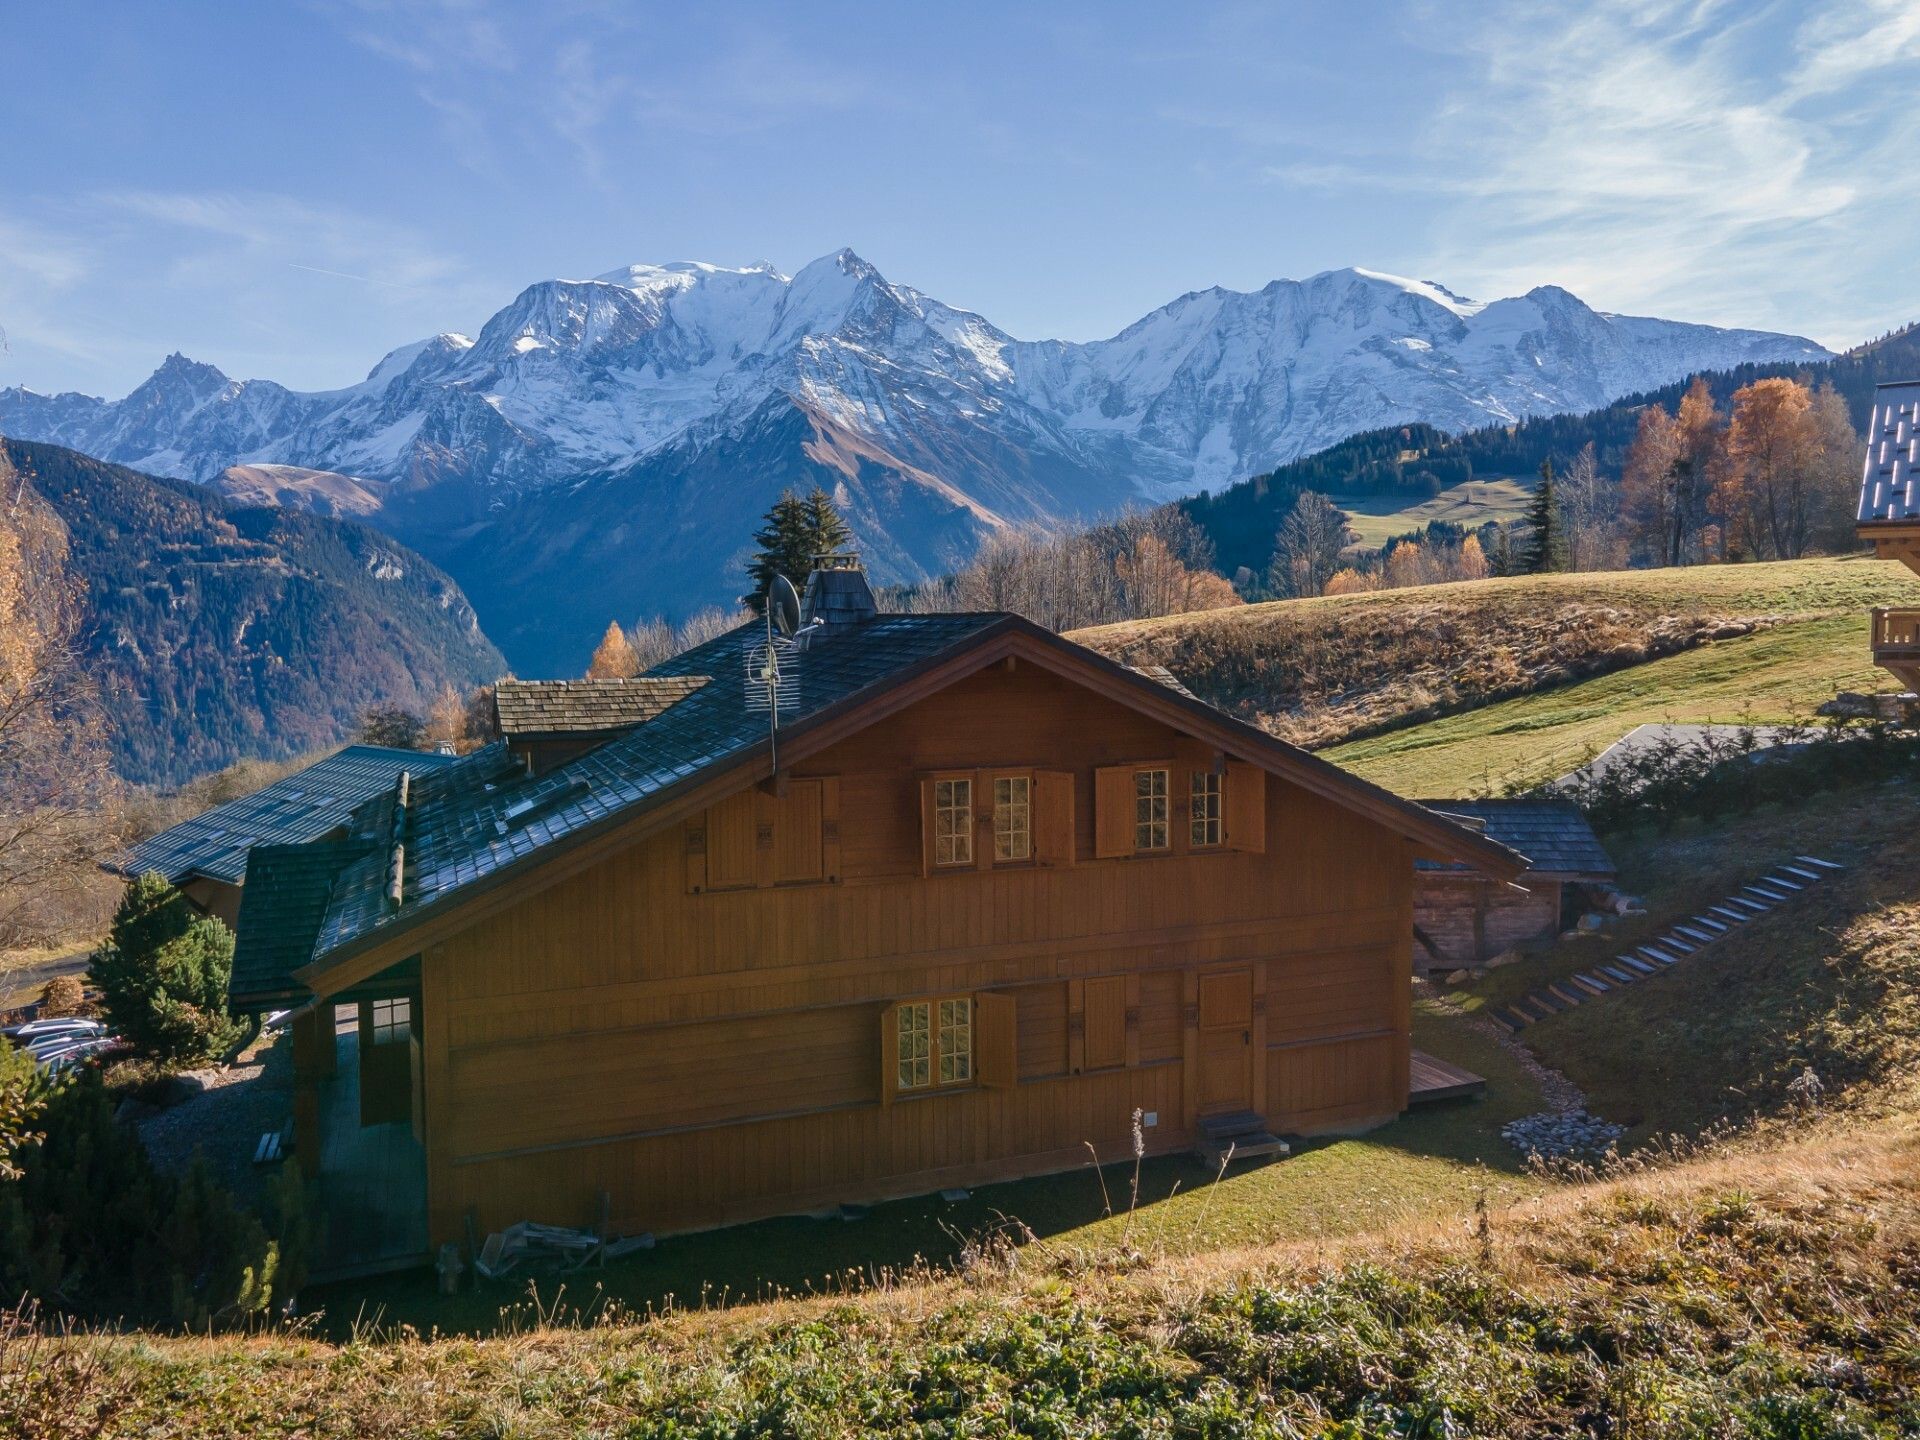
x=1012, y=818
x=934, y=1039
x=953, y=822
x=391, y=1020
x=1150, y=810
x=1204, y=810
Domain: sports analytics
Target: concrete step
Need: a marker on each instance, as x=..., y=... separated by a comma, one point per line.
x=1817, y=862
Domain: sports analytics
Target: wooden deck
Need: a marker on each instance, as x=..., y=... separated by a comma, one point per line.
x=1433, y=1079
x=373, y=1181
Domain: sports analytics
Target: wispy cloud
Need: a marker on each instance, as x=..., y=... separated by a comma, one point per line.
x=1703, y=159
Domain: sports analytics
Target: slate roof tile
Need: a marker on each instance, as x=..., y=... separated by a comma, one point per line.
x=1890, y=486
x=1553, y=834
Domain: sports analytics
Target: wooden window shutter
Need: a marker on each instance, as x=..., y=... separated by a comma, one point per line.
x=996, y=1050
x=733, y=840
x=1113, y=811
x=889, y=1054
x=696, y=851
x=926, y=826
x=797, y=851
x=830, y=828
x=1053, y=838
x=1105, y=1010
x=1244, y=807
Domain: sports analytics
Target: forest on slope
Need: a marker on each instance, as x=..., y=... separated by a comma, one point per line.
x=217, y=632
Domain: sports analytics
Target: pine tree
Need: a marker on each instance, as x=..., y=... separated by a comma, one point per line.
x=1547, y=545
x=795, y=531
x=615, y=659
x=163, y=974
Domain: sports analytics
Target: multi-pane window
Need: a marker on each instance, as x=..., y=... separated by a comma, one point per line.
x=391, y=1019
x=916, y=1046
x=935, y=1042
x=1013, y=818
x=1204, y=810
x=956, y=1041
x=953, y=822
x=1150, y=810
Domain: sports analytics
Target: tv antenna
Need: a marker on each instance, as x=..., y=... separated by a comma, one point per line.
x=773, y=668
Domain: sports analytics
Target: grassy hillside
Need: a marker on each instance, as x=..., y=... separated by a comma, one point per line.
x=1753, y=1295
x=1442, y=689
x=1376, y=519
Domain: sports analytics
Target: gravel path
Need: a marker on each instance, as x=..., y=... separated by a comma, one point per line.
x=225, y=1121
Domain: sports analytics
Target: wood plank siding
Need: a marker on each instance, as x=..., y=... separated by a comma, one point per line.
x=698, y=1025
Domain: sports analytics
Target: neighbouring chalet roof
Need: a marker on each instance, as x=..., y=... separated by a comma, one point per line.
x=472, y=824
x=1890, y=488
x=304, y=806
x=1164, y=676
x=281, y=909
x=574, y=707
x=1552, y=834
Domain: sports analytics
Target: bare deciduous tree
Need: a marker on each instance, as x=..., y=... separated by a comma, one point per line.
x=1307, y=550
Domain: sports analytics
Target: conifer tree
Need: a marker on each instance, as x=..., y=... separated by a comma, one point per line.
x=1547, y=545
x=163, y=975
x=795, y=531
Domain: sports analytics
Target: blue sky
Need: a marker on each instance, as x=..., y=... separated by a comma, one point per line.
x=289, y=190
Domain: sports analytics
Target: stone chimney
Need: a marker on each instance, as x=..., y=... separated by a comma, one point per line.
x=837, y=594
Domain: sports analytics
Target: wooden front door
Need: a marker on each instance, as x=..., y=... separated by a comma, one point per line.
x=1226, y=1042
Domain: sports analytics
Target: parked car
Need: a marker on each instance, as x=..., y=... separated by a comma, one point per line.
x=32, y=1030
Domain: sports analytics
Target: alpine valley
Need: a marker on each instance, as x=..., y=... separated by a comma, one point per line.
x=601, y=448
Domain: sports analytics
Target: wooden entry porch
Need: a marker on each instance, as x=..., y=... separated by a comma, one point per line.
x=372, y=1179
x=1430, y=1078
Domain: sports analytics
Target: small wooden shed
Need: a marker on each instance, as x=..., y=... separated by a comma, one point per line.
x=1462, y=917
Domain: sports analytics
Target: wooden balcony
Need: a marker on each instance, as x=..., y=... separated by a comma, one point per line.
x=1896, y=643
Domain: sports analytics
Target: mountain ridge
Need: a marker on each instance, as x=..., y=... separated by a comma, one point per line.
x=655, y=391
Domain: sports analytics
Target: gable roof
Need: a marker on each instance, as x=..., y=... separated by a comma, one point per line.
x=1553, y=834
x=1890, y=486
x=477, y=827
x=570, y=707
x=282, y=907
x=304, y=806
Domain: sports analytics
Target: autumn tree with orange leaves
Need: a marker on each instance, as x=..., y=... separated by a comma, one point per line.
x=1788, y=480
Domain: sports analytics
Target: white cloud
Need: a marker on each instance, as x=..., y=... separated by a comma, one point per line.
x=1700, y=160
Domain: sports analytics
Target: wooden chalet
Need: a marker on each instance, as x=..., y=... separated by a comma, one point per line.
x=999, y=894
x=1889, y=518
x=1463, y=917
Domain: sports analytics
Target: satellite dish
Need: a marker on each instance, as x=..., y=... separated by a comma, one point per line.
x=783, y=605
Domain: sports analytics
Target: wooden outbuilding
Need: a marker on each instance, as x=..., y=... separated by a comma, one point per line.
x=1464, y=917
x=998, y=895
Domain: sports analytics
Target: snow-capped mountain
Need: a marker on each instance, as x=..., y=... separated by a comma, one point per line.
x=625, y=428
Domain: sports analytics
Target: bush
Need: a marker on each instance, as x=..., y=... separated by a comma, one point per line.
x=63, y=995
x=1721, y=774
x=22, y=1092
x=90, y=1229
x=163, y=974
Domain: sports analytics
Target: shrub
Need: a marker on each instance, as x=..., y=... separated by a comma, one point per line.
x=89, y=1228
x=163, y=974
x=22, y=1092
x=63, y=995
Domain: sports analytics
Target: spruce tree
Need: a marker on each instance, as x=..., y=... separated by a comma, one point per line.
x=163, y=975
x=795, y=531
x=1547, y=545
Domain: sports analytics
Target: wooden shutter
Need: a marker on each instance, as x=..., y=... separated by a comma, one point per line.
x=1113, y=811
x=830, y=828
x=1105, y=1002
x=996, y=1051
x=889, y=1054
x=1053, y=837
x=795, y=817
x=733, y=835
x=1243, y=806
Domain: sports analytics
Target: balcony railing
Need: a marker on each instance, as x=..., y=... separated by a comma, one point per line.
x=1896, y=635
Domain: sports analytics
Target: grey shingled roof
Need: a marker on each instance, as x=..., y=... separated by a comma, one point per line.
x=483, y=814
x=1890, y=487
x=1161, y=675
x=1552, y=834
x=566, y=707
x=281, y=909
x=302, y=807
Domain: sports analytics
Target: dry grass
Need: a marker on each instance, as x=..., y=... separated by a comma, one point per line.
x=1763, y=1290
x=1333, y=669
